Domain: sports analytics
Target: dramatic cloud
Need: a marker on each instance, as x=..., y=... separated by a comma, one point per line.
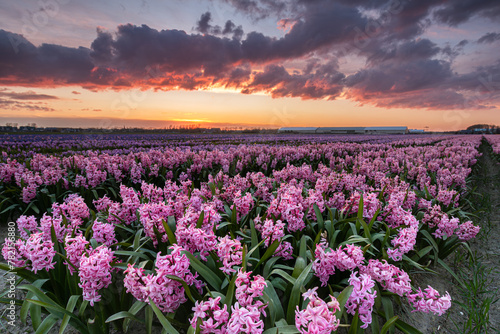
x=455, y=12
x=24, y=64
x=203, y=25
x=29, y=95
x=400, y=68
x=490, y=37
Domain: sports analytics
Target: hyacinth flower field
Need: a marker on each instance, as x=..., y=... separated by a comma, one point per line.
x=231, y=234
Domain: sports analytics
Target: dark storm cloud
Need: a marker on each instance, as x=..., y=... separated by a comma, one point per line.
x=406, y=51
x=455, y=12
x=401, y=77
x=324, y=83
x=259, y=9
x=489, y=38
x=30, y=65
x=228, y=27
x=203, y=24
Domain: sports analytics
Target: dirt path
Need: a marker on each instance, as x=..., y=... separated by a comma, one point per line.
x=489, y=244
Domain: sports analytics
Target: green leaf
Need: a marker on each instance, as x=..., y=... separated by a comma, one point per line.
x=406, y=328
x=269, y=252
x=35, y=315
x=360, y=207
x=295, y=295
x=278, y=307
x=148, y=314
x=186, y=287
x=131, y=253
x=199, y=223
x=342, y=299
x=303, y=247
x=230, y=292
x=212, y=187
x=164, y=321
x=366, y=230
x=268, y=266
x=204, y=271
x=44, y=300
x=319, y=217
x=124, y=315
x=300, y=265
x=424, y=251
x=83, y=307
x=134, y=309
x=389, y=324
x=255, y=240
x=27, y=305
x=289, y=329
x=353, y=329
x=283, y=274
x=70, y=306
x=47, y=324
x=388, y=310
x=170, y=234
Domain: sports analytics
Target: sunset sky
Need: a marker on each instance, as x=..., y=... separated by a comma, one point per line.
x=252, y=63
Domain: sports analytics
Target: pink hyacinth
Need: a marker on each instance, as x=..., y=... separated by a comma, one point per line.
x=446, y=227
x=272, y=231
x=152, y=216
x=430, y=301
x=133, y=282
x=196, y=239
x=243, y=204
x=288, y=206
x=248, y=290
x=39, y=252
x=60, y=229
x=403, y=244
x=95, y=273
x=319, y=316
x=389, y=276
x=102, y=204
x=213, y=318
x=29, y=223
x=327, y=260
x=370, y=204
x=230, y=251
x=467, y=231
x=75, y=209
x=74, y=247
x=245, y=320
x=12, y=252
x=166, y=293
x=362, y=298
x=104, y=233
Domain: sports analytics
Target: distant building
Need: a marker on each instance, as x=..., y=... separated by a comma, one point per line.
x=341, y=130
x=347, y=130
x=297, y=130
x=397, y=130
x=27, y=128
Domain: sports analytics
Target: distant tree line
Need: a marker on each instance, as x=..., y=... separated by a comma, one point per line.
x=486, y=128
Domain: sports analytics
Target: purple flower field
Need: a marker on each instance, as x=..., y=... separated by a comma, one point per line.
x=232, y=233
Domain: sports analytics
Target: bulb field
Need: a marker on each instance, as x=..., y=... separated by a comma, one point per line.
x=231, y=234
